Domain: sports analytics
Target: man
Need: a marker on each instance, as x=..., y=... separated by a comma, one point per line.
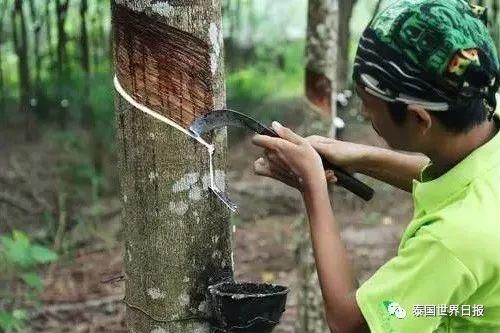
x=427, y=73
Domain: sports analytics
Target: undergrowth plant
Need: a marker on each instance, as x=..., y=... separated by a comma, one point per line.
x=19, y=260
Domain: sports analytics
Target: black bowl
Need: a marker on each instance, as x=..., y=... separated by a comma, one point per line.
x=248, y=307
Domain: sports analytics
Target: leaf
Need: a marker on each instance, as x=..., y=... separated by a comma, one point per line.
x=8, y=321
x=17, y=249
x=21, y=238
x=20, y=314
x=33, y=280
x=42, y=254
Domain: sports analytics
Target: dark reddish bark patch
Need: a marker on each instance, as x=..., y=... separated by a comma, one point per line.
x=162, y=67
x=319, y=91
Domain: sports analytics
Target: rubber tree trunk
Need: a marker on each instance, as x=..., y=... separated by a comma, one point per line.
x=2, y=84
x=321, y=57
x=168, y=56
x=344, y=36
x=321, y=75
x=61, y=13
x=87, y=116
x=20, y=40
x=61, y=59
x=3, y=10
x=48, y=32
x=36, y=18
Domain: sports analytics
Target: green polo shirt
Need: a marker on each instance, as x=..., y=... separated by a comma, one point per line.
x=446, y=275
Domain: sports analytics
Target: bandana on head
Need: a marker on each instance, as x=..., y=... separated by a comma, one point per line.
x=434, y=53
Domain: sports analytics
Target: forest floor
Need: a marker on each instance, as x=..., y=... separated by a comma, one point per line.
x=78, y=295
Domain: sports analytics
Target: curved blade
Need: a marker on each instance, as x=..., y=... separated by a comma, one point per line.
x=226, y=117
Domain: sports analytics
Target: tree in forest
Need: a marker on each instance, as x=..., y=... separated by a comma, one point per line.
x=321, y=57
x=20, y=39
x=3, y=10
x=168, y=57
x=61, y=59
x=344, y=37
x=87, y=116
x=36, y=19
x=48, y=31
x=320, y=82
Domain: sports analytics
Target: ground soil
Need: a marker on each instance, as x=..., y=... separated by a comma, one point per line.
x=83, y=290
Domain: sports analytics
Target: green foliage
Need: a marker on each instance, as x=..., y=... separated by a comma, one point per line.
x=277, y=72
x=33, y=280
x=12, y=321
x=20, y=256
x=102, y=102
x=18, y=250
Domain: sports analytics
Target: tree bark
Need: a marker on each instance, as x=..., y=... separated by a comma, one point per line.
x=321, y=75
x=344, y=36
x=310, y=300
x=3, y=10
x=177, y=234
x=2, y=84
x=61, y=13
x=48, y=31
x=87, y=116
x=20, y=39
x=321, y=57
x=37, y=28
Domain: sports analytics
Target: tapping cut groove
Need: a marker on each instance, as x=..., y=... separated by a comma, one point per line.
x=164, y=68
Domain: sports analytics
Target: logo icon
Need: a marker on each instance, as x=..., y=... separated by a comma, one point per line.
x=394, y=309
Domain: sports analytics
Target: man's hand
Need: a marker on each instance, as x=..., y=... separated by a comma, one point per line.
x=394, y=168
x=290, y=159
x=347, y=155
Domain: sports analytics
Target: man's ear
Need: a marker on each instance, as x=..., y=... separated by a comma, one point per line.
x=422, y=117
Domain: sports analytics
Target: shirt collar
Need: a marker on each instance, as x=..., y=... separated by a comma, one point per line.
x=428, y=195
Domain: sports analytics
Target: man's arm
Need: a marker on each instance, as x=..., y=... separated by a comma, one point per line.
x=394, y=168
x=333, y=264
x=295, y=162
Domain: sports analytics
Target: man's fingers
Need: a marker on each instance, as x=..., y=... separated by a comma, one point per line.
x=286, y=133
x=275, y=159
x=267, y=142
x=263, y=168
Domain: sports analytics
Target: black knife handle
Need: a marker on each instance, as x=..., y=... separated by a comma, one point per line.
x=349, y=182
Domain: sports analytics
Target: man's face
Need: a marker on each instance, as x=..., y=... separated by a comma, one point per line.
x=375, y=109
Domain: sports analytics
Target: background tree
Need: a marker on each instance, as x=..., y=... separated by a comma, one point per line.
x=321, y=57
x=344, y=39
x=320, y=83
x=61, y=59
x=36, y=19
x=3, y=11
x=177, y=235
x=48, y=31
x=20, y=40
x=87, y=116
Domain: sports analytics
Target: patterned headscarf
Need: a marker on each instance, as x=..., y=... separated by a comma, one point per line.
x=434, y=53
